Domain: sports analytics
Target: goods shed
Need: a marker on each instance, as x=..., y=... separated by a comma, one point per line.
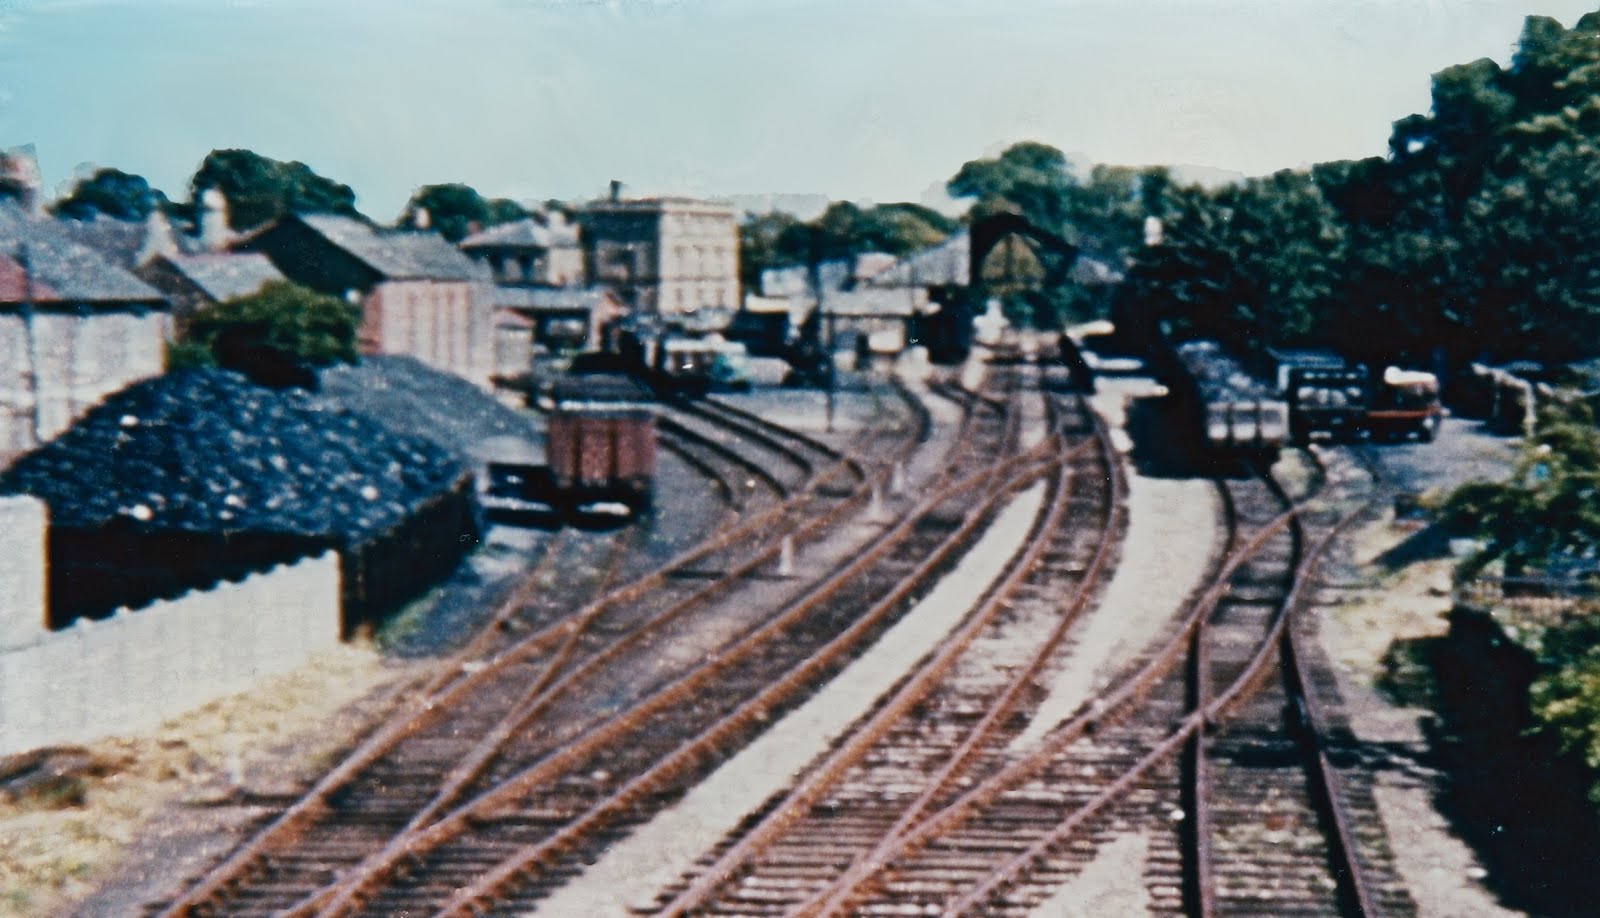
x=200, y=475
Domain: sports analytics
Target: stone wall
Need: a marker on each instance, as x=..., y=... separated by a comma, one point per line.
x=138, y=668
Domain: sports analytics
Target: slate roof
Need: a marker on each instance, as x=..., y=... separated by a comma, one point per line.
x=398, y=255
x=550, y=299
x=874, y=301
x=834, y=274
x=122, y=241
x=225, y=275
x=60, y=268
x=529, y=232
x=944, y=265
x=208, y=451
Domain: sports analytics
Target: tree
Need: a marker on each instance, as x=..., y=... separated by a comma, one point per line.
x=276, y=336
x=112, y=192
x=1028, y=178
x=770, y=240
x=458, y=210
x=1547, y=515
x=260, y=189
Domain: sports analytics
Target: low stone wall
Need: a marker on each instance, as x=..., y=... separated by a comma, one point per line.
x=138, y=668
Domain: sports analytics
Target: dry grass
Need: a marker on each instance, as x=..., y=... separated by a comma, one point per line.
x=58, y=845
x=1412, y=602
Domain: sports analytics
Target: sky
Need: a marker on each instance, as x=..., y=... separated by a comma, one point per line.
x=868, y=100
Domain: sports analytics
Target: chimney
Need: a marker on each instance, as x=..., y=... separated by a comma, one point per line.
x=214, y=232
x=19, y=178
x=616, y=190
x=158, y=238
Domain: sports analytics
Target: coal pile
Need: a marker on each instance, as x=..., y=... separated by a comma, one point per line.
x=207, y=451
x=412, y=398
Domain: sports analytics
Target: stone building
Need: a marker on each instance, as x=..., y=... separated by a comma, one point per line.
x=74, y=328
x=667, y=256
x=418, y=294
x=542, y=250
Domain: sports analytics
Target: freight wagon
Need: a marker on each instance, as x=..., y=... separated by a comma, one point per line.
x=602, y=441
x=1232, y=411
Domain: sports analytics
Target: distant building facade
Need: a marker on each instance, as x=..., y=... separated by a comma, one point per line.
x=418, y=295
x=541, y=250
x=74, y=328
x=667, y=256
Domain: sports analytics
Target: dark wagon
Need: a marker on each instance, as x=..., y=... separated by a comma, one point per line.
x=602, y=443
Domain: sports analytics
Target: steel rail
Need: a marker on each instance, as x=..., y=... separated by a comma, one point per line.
x=826, y=774
x=752, y=711
x=1089, y=718
x=335, y=901
x=1215, y=712
x=453, y=681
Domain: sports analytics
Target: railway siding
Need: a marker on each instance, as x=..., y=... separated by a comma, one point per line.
x=635, y=869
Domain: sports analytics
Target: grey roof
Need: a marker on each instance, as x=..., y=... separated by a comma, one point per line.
x=872, y=301
x=529, y=232
x=62, y=269
x=944, y=265
x=227, y=275
x=397, y=255
x=122, y=241
x=553, y=299
x=837, y=274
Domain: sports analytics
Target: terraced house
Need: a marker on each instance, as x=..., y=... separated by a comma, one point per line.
x=74, y=328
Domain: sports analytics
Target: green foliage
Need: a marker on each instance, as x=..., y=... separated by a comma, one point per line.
x=284, y=330
x=111, y=192
x=1565, y=699
x=189, y=355
x=844, y=230
x=260, y=189
x=457, y=210
x=1547, y=515
x=771, y=240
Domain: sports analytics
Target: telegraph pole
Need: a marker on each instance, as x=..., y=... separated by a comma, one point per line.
x=31, y=339
x=831, y=366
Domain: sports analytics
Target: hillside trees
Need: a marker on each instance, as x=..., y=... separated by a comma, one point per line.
x=457, y=210
x=259, y=189
x=112, y=193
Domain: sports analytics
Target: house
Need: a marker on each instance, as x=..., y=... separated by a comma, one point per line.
x=562, y=318
x=541, y=250
x=667, y=256
x=879, y=320
x=74, y=328
x=418, y=294
x=192, y=282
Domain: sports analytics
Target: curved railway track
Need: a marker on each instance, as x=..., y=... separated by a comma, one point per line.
x=424, y=780
x=1214, y=746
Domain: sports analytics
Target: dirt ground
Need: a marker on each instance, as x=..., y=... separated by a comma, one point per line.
x=64, y=846
x=1379, y=608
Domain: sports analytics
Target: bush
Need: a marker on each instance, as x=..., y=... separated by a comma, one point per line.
x=277, y=336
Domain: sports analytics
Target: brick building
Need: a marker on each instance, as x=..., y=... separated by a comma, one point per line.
x=418, y=294
x=667, y=256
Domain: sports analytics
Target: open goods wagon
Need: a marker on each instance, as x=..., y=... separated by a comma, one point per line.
x=602, y=442
x=1232, y=411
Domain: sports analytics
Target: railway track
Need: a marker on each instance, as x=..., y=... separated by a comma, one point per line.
x=1215, y=747
x=948, y=720
x=425, y=781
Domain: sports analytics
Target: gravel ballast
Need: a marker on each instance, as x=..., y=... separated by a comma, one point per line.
x=634, y=869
